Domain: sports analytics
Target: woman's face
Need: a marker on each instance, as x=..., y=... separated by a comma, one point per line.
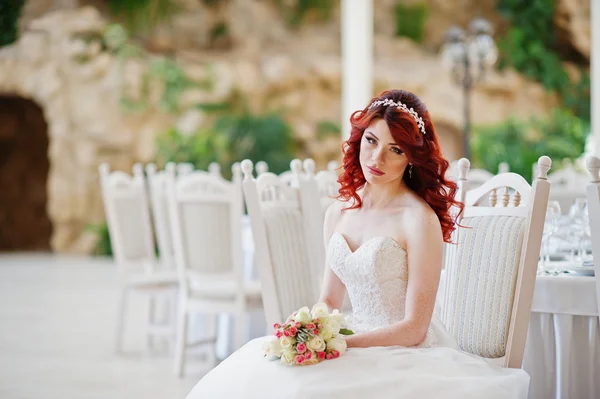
x=381, y=159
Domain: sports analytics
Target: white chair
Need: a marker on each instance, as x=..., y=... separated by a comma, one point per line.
x=593, y=204
x=206, y=222
x=281, y=244
x=490, y=273
x=128, y=220
x=160, y=215
x=184, y=168
x=160, y=210
x=568, y=184
x=289, y=177
x=326, y=181
x=261, y=168
x=477, y=177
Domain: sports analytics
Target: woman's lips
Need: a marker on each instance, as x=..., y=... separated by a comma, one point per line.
x=375, y=171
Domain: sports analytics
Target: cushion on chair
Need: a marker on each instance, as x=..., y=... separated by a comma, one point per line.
x=295, y=285
x=481, y=283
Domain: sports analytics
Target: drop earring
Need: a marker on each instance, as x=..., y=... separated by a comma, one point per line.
x=410, y=171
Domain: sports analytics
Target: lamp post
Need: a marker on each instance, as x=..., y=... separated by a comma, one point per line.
x=468, y=54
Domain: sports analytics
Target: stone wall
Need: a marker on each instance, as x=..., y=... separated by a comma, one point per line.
x=297, y=70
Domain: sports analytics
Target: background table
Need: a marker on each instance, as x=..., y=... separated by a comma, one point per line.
x=562, y=354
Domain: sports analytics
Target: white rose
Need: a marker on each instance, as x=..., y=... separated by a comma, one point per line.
x=337, y=344
x=326, y=333
x=331, y=325
x=316, y=344
x=286, y=343
x=272, y=347
x=288, y=357
x=319, y=310
x=303, y=315
x=337, y=316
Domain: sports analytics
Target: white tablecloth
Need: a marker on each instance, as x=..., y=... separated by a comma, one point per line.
x=562, y=354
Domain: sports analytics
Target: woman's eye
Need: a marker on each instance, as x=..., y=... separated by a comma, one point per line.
x=397, y=150
x=370, y=140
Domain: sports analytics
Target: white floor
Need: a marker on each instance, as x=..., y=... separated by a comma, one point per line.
x=57, y=323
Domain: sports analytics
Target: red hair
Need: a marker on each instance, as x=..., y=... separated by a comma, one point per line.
x=422, y=150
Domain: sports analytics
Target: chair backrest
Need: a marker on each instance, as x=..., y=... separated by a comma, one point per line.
x=184, y=168
x=157, y=187
x=593, y=205
x=477, y=177
x=491, y=271
x=326, y=181
x=280, y=238
x=128, y=218
x=205, y=212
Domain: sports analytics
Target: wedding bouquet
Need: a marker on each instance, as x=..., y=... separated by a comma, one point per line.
x=309, y=337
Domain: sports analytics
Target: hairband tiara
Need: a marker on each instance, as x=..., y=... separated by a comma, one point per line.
x=412, y=112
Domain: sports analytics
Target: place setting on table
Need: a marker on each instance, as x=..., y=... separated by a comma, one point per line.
x=566, y=243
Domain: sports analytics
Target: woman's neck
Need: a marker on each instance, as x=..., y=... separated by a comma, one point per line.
x=381, y=196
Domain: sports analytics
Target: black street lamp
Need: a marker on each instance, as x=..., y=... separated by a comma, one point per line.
x=468, y=54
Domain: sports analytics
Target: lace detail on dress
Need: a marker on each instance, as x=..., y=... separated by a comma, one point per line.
x=376, y=277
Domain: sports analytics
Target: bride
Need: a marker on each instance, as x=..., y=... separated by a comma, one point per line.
x=384, y=239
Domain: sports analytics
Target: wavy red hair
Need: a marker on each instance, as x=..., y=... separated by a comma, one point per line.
x=422, y=150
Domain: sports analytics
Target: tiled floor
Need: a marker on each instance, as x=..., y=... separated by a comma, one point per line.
x=57, y=322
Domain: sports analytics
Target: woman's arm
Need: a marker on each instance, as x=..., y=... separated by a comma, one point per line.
x=332, y=290
x=425, y=257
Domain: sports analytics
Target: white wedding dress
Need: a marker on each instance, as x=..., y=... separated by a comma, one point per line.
x=376, y=276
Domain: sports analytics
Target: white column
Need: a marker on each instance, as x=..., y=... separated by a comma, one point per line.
x=357, y=58
x=595, y=74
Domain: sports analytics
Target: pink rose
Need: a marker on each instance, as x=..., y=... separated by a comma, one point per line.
x=321, y=355
x=293, y=331
x=329, y=356
x=286, y=333
x=336, y=354
x=276, y=326
x=298, y=325
x=316, y=332
x=278, y=334
x=310, y=326
x=307, y=355
x=301, y=348
x=300, y=359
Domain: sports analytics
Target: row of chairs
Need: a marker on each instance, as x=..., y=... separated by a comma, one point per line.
x=197, y=219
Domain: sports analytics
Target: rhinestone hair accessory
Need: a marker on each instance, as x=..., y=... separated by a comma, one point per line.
x=387, y=102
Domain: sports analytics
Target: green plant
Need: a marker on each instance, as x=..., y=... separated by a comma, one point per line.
x=265, y=137
x=232, y=138
x=174, y=80
x=410, y=20
x=521, y=143
x=10, y=11
x=296, y=11
x=165, y=71
x=103, y=246
x=201, y=148
x=142, y=15
x=327, y=129
x=530, y=47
